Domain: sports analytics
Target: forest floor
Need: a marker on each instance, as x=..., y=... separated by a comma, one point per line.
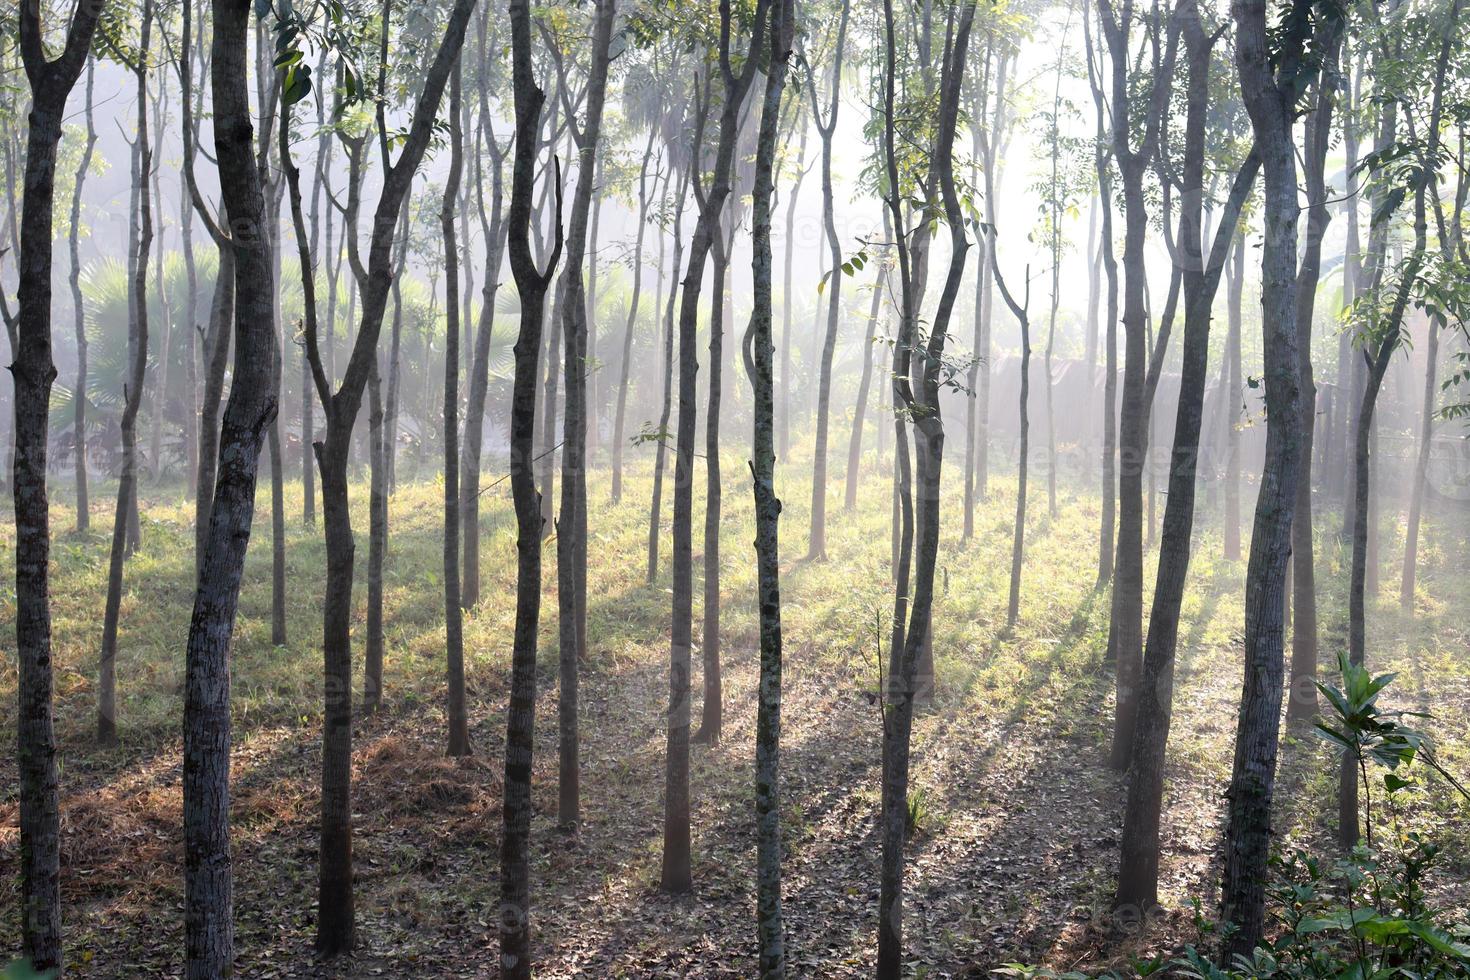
x=1018, y=816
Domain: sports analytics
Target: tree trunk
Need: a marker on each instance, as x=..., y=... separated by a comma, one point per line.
x=1252, y=783
x=788, y=247
x=1137, y=895
x=208, y=908
x=759, y=354
x=459, y=733
x=655, y=514
x=79, y=394
x=493, y=229
x=817, y=541
x=520, y=722
x=865, y=383
x=335, y=914
x=1235, y=395
x=33, y=373
x=1301, y=705
x=620, y=414
x=675, y=876
x=571, y=539
x=141, y=239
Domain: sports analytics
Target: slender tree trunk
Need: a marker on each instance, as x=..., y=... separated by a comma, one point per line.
x=676, y=875
x=372, y=661
x=79, y=394
x=141, y=239
x=655, y=516
x=1301, y=705
x=1252, y=784
x=1235, y=395
x=520, y=723
x=865, y=384
x=787, y=299
x=919, y=390
x=1137, y=894
x=33, y=373
x=1421, y=466
x=817, y=541
x=459, y=734
x=335, y=911
x=711, y=711
x=571, y=540
x=493, y=229
x=251, y=410
x=759, y=354
x=620, y=414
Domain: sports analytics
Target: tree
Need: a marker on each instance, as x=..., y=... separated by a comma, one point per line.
x=1399, y=165
x=1139, y=852
x=208, y=899
x=335, y=920
x=141, y=239
x=675, y=876
x=826, y=129
x=33, y=371
x=571, y=541
x=1301, y=703
x=918, y=395
x=1133, y=153
x=520, y=719
x=759, y=355
x=79, y=395
x=1271, y=70
x=493, y=229
x=620, y=413
x=459, y=734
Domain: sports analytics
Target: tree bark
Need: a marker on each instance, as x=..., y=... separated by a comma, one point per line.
x=141, y=239
x=571, y=539
x=675, y=876
x=759, y=353
x=817, y=540
x=1268, y=101
x=79, y=394
x=1137, y=893
x=520, y=723
x=458, y=716
x=620, y=413
x=33, y=373
x=493, y=229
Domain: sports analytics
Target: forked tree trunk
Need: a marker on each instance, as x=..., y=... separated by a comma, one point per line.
x=127, y=485
x=335, y=916
x=1137, y=894
x=493, y=229
x=571, y=540
x=917, y=389
x=33, y=373
x=1248, y=837
x=817, y=541
x=676, y=875
x=520, y=720
x=252, y=407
